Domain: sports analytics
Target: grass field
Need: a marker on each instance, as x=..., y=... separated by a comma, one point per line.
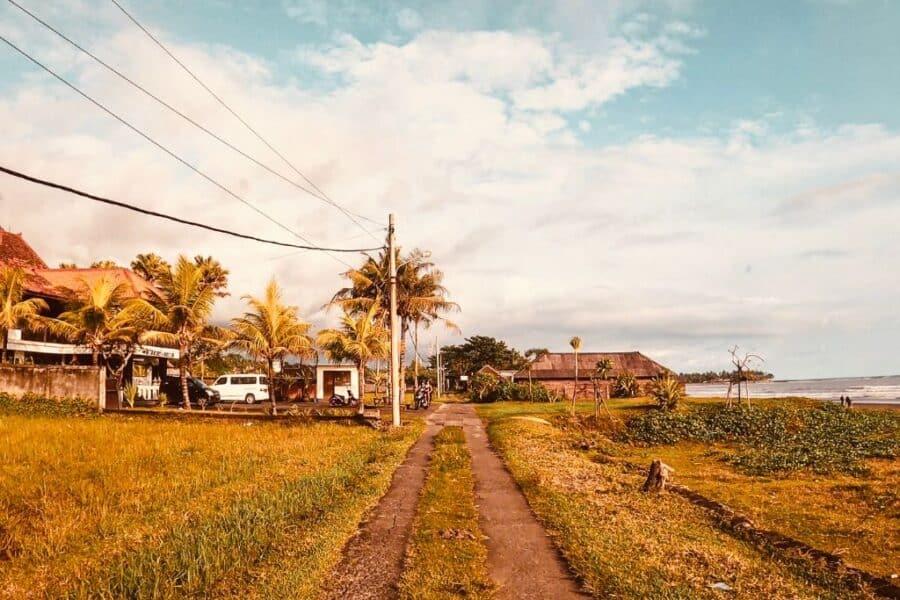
x=627, y=544
x=447, y=557
x=135, y=507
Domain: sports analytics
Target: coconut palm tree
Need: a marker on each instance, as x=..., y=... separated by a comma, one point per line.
x=16, y=312
x=180, y=314
x=150, y=266
x=99, y=319
x=362, y=337
x=270, y=331
x=575, y=342
x=421, y=295
x=601, y=372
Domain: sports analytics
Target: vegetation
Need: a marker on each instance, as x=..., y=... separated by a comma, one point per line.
x=626, y=386
x=484, y=387
x=180, y=314
x=270, y=331
x=361, y=338
x=447, y=557
x=37, y=405
x=626, y=544
x=477, y=351
x=666, y=391
x=421, y=295
x=135, y=508
x=16, y=312
x=769, y=440
x=722, y=376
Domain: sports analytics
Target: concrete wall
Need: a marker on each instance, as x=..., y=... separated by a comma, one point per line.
x=55, y=382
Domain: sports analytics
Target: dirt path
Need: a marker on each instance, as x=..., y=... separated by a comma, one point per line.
x=373, y=559
x=521, y=558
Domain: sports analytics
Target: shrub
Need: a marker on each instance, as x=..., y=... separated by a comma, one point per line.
x=130, y=393
x=626, y=386
x=771, y=440
x=487, y=388
x=666, y=391
x=35, y=405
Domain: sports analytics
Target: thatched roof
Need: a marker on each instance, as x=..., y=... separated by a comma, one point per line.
x=561, y=365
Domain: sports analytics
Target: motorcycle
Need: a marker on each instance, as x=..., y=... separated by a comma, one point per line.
x=421, y=400
x=338, y=400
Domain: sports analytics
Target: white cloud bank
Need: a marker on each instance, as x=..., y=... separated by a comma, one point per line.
x=679, y=247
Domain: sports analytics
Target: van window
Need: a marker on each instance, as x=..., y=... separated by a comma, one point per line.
x=221, y=381
x=243, y=380
x=264, y=380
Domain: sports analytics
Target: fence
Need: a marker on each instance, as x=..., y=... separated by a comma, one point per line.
x=47, y=381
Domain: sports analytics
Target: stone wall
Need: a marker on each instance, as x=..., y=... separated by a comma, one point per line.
x=88, y=383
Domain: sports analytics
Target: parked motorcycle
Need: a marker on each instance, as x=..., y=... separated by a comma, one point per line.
x=339, y=400
x=422, y=399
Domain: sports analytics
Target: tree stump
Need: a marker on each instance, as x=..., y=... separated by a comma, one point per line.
x=657, y=477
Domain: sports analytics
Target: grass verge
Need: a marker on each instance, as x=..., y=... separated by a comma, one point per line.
x=447, y=557
x=131, y=507
x=626, y=544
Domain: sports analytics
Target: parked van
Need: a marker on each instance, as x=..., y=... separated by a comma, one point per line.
x=248, y=388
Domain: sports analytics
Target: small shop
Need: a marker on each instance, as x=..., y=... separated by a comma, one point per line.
x=336, y=379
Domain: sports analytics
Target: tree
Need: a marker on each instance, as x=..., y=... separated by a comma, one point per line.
x=421, y=295
x=101, y=319
x=575, y=342
x=270, y=331
x=532, y=355
x=104, y=264
x=477, y=351
x=362, y=337
x=741, y=368
x=68, y=265
x=16, y=312
x=180, y=313
x=601, y=372
x=214, y=274
x=150, y=266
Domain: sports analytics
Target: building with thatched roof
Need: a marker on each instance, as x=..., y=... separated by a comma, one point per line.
x=556, y=370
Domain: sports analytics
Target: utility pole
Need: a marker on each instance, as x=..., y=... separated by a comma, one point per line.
x=440, y=371
x=396, y=391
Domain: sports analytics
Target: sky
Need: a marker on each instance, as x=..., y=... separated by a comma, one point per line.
x=672, y=176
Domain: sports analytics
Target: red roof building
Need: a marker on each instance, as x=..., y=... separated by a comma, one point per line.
x=556, y=370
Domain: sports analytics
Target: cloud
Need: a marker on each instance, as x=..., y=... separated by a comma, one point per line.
x=641, y=244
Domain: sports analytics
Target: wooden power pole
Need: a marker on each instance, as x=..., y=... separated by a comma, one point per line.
x=437, y=364
x=396, y=389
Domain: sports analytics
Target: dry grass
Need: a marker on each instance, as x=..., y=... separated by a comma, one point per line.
x=626, y=544
x=447, y=557
x=142, y=507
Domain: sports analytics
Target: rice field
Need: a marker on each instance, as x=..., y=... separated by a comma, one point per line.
x=135, y=507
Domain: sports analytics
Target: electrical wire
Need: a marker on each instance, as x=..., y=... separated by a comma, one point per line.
x=176, y=111
x=160, y=146
x=160, y=215
x=241, y=119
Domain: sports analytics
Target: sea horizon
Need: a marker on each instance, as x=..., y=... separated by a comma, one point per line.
x=874, y=389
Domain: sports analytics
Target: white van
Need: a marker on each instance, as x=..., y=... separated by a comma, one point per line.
x=248, y=387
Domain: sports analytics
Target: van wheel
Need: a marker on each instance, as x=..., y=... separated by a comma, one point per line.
x=249, y=398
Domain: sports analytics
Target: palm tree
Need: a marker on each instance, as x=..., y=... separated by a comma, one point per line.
x=15, y=312
x=361, y=337
x=150, y=266
x=99, y=319
x=179, y=315
x=104, y=264
x=575, y=342
x=601, y=371
x=270, y=331
x=421, y=295
x=215, y=275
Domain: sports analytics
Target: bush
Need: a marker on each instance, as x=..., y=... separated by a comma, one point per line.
x=626, y=386
x=770, y=440
x=35, y=405
x=487, y=388
x=666, y=391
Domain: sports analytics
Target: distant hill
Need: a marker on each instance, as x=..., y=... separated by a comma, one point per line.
x=722, y=376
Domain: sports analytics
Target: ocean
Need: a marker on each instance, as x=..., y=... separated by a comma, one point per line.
x=870, y=390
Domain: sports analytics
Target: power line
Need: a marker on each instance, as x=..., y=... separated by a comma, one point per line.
x=160, y=215
x=242, y=120
x=171, y=108
x=159, y=145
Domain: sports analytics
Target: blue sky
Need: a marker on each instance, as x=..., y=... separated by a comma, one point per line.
x=674, y=176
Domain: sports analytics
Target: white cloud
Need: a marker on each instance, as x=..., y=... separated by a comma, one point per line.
x=679, y=246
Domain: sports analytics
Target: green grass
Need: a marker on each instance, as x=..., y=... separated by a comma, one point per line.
x=626, y=544
x=447, y=557
x=139, y=507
